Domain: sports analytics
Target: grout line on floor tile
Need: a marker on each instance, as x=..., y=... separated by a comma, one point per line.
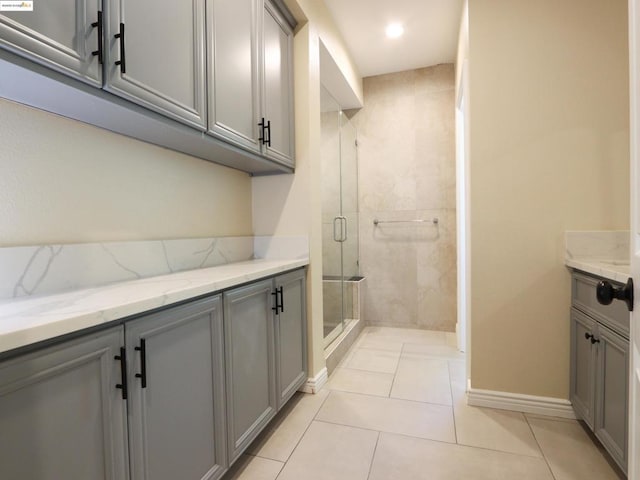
x=526, y=419
x=375, y=449
x=395, y=374
x=394, y=398
x=462, y=445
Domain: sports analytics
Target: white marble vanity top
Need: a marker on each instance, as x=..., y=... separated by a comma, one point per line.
x=616, y=270
x=32, y=319
x=602, y=253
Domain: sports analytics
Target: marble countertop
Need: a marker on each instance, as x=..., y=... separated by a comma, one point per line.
x=616, y=270
x=34, y=319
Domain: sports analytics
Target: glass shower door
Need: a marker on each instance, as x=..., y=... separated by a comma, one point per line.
x=339, y=212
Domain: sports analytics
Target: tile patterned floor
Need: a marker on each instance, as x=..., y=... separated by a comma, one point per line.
x=395, y=409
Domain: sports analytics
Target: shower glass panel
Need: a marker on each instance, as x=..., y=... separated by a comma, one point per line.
x=339, y=215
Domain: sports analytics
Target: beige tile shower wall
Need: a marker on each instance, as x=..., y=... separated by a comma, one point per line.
x=406, y=158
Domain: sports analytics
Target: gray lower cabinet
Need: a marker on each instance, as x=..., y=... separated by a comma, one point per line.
x=250, y=363
x=612, y=393
x=60, y=415
x=155, y=56
x=176, y=394
x=583, y=359
x=266, y=356
x=60, y=34
x=600, y=366
x=291, y=334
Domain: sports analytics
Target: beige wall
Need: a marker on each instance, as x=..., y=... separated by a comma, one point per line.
x=406, y=157
x=62, y=181
x=292, y=204
x=549, y=153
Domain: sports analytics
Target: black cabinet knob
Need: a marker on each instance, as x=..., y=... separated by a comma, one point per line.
x=606, y=293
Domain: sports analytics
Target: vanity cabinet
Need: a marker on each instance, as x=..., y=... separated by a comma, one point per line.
x=291, y=334
x=155, y=57
x=60, y=415
x=176, y=393
x=265, y=340
x=583, y=359
x=600, y=365
x=59, y=34
x=250, y=77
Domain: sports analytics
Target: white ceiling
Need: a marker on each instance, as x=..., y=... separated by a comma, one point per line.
x=430, y=32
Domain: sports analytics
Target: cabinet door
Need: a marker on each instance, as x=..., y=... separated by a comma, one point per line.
x=176, y=393
x=162, y=55
x=612, y=394
x=233, y=71
x=61, y=416
x=250, y=363
x=582, y=366
x=58, y=34
x=291, y=335
x=277, y=100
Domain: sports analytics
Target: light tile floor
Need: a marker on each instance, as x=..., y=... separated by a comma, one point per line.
x=395, y=409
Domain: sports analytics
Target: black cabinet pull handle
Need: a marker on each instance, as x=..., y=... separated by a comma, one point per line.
x=590, y=336
x=143, y=362
x=275, y=296
x=605, y=293
x=261, y=139
x=280, y=291
x=99, y=25
x=268, y=142
x=123, y=372
x=123, y=59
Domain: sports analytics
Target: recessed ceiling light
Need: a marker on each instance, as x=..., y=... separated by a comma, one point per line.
x=394, y=30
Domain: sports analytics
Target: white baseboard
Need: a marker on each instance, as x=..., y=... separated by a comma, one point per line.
x=553, y=407
x=313, y=385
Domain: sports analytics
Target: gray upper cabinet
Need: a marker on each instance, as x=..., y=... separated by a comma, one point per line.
x=61, y=416
x=232, y=38
x=250, y=363
x=60, y=34
x=155, y=56
x=176, y=394
x=291, y=334
x=250, y=77
x=277, y=96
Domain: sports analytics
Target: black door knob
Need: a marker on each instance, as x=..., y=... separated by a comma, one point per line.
x=605, y=292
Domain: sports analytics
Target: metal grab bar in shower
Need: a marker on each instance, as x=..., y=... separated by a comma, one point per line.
x=434, y=221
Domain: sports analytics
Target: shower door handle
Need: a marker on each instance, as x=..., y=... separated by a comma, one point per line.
x=335, y=230
x=343, y=229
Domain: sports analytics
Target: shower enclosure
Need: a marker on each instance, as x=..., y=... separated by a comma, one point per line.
x=339, y=217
